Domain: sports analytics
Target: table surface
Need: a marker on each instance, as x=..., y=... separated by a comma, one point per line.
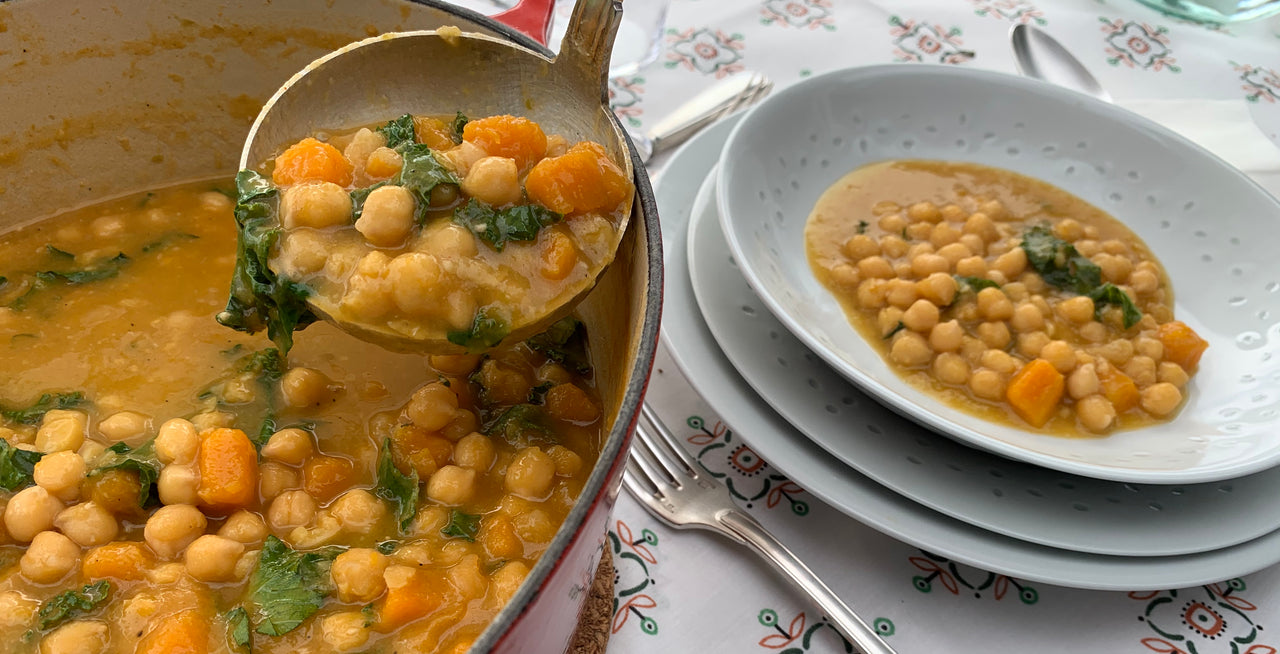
x=691, y=591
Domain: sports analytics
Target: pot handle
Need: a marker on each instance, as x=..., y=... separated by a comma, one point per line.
x=588, y=42
x=530, y=17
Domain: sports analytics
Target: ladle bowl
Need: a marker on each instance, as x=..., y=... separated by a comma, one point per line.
x=439, y=72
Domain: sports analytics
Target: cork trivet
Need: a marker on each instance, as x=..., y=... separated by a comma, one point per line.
x=597, y=613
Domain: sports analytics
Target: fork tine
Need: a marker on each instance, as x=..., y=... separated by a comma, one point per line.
x=667, y=441
x=651, y=464
x=636, y=479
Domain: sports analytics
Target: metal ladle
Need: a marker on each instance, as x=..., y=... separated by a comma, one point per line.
x=430, y=72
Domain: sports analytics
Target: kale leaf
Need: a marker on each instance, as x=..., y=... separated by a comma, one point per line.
x=267, y=365
x=259, y=297
x=399, y=489
x=974, y=284
x=497, y=227
x=1110, y=294
x=16, y=466
x=421, y=173
x=564, y=342
x=1058, y=262
x=538, y=394
x=459, y=123
x=896, y=328
x=288, y=586
x=516, y=424
x=59, y=253
x=142, y=461
x=167, y=240
x=33, y=414
x=461, y=525
x=358, y=197
x=72, y=603
x=486, y=332
x=238, y=626
x=106, y=270
x=398, y=131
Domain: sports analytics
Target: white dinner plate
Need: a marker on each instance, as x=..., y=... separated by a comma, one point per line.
x=1002, y=495
x=713, y=376
x=1210, y=225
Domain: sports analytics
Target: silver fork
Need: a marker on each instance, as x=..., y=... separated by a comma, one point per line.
x=662, y=475
x=716, y=102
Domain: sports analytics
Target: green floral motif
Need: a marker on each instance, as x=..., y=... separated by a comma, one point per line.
x=922, y=42
x=750, y=478
x=1260, y=84
x=1138, y=45
x=707, y=51
x=624, y=98
x=1213, y=618
x=947, y=573
x=804, y=14
x=798, y=637
x=632, y=557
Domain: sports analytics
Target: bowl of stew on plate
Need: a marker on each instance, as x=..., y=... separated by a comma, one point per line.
x=1020, y=267
x=166, y=481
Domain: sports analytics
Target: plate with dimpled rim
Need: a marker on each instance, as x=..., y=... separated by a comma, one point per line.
x=714, y=378
x=1002, y=495
x=1198, y=215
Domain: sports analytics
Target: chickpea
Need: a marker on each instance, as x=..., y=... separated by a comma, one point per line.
x=951, y=368
x=455, y=485
x=384, y=163
x=304, y=252
x=87, y=524
x=924, y=211
x=1117, y=352
x=305, y=387
x=952, y=212
x=901, y=293
x=1069, y=230
x=387, y=217
x=29, y=512
x=1026, y=318
x=127, y=426
x=976, y=245
x=358, y=510
x=1141, y=369
x=367, y=295
x=888, y=319
x=845, y=275
x=474, y=451
x=1035, y=284
x=414, y=279
x=1172, y=373
x=534, y=526
x=358, y=575
x=1161, y=399
x=78, y=637
x=433, y=406
x=345, y=631
x=1060, y=354
x=860, y=246
x=363, y=144
x=987, y=384
x=530, y=474
x=910, y=349
x=938, y=288
x=495, y=180
x=213, y=558
x=919, y=249
x=1083, y=382
x=1078, y=309
x=1144, y=282
x=955, y=252
x=178, y=441
x=172, y=528
x=875, y=267
x=946, y=336
x=290, y=446
x=999, y=361
x=49, y=557
x=295, y=508
x=212, y=420
x=61, y=430
x=315, y=204
x=927, y=264
x=1114, y=246
x=507, y=579
x=274, y=479
x=921, y=316
x=1088, y=247
x=981, y=224
x=466, y=421
x=60, y=473
x=455, y=364
x=1011, y=263
x=1030, y=344
x=971, y=349
x=1115, y=268
x=994, y=304
x=994, y=334
x=892, y=223
x=1094, y=332
x=871, y=293
x=178, y=484
x=16, y=610
x=244, y=527
x=972, y=267
x=885, y=206
x=944, y=234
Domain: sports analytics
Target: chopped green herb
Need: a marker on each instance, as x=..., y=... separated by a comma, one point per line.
x=462, y=525
x=261, y=299
x=497, y=227
x=61, y=254
x=904, y=234
x=288, y=586
x=973, y=284
x=3, y=280
x=106, y=270
x=486, y=331
x=538, y=394
x=1110, y=294
x=142, y=461
x=168, y=240
x=358, y=197
x=517, y=424
x=459, y=123
x=238, y=627
x=33, y=414
x=896, y=328
x=268, y=365
x=16, y=466
x=399, y=489
x=564, y=342
x=370, y=614
x=387, y=546
x=1058, y=262
x=398, y=131
x=420, y=173
x=862, y=226
x=72, y=603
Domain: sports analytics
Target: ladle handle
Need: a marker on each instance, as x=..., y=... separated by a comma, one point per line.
x=531, y=18
x=588, y=42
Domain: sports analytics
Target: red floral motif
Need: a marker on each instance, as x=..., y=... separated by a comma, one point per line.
x=1138, y=45
x=705, y=51
x=780, y=640
x=710, y=436
x=634, y=544
x=1017, y=11
x=937, y=572
x=811, y=14
x=632, y=605
x=1188, y=620
x=1260, y=82
x=624, y=98
x=784, y=490
x=918, y=41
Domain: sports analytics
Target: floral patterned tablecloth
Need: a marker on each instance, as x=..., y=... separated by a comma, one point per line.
x=690, y=591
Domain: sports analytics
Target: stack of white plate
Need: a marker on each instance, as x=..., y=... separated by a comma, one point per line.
x=1193, y=501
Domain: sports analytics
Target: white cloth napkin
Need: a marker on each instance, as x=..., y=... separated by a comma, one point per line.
x=1225, y=128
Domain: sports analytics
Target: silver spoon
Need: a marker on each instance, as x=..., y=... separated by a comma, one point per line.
x=1040, y=56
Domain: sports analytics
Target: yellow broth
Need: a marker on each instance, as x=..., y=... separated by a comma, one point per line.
x=927, y=259
x=136, y=336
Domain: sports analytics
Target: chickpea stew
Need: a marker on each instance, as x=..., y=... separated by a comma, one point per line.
x=427, y=228
x=1004, y=295
x=167, y=484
